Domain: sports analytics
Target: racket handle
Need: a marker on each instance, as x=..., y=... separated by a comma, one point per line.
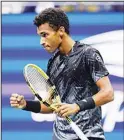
x=77, y=130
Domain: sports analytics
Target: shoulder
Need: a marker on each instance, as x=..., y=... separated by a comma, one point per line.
x=91, y=52
x=87, y=50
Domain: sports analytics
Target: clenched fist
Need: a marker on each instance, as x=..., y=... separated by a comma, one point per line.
x=17, y=101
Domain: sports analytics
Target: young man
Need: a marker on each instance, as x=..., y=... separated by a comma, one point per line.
x=79, y=74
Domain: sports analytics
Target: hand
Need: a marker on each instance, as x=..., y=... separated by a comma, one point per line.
x=17, y=101
x=64, y=109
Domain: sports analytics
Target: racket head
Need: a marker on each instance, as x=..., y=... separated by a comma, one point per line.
x=40, y=85
x=38, y=81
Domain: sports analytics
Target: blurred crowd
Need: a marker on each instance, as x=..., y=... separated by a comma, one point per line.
x=28, y=7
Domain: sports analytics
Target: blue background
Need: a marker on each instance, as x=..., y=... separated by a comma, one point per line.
x=20, y=46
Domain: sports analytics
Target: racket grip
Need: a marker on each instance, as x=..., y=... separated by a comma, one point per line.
x=77, y=130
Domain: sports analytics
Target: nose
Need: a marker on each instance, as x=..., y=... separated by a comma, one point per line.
x=42, y=41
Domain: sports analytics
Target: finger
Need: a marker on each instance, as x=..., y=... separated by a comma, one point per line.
x=13, y=98
x=14, y=105
x=19, y=98
x=14, y=95
x=63, y=111
x=13, y=102
x=62, y=107
x=66, y=114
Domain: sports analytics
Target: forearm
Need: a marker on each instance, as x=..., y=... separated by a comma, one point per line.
x=103, y=96
x=45, y=109
x=36, y=107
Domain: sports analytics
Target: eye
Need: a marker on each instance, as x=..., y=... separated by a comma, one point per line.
x=44, y=34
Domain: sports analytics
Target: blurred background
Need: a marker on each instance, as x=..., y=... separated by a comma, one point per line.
x=98, y=23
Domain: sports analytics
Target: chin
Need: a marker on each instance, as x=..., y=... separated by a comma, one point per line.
x=49, y=50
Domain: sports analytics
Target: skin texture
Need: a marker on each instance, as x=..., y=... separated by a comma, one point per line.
x=52, y=40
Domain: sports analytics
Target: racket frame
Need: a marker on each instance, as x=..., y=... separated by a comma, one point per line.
x=78, y=131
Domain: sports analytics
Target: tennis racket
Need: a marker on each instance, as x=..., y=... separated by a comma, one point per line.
x=43, y=89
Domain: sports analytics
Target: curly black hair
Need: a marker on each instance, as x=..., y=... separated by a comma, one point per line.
x=55, y=17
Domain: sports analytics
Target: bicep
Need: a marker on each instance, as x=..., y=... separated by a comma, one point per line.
x=104, y=83
x=106, y=93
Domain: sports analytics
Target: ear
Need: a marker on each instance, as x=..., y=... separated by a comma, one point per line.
x=61, y=31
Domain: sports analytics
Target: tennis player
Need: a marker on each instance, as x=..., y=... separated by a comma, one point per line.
x=79, y=74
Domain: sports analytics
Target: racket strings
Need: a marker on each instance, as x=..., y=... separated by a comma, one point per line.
x=39, y=83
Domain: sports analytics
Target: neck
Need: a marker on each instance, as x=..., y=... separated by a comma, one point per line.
x=66, y=45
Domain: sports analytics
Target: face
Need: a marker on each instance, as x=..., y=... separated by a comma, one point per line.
x=50, y=39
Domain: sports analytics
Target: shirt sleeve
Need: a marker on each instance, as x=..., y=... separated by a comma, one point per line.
x=95, y=64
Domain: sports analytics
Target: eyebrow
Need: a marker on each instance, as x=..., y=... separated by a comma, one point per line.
x=41, y=33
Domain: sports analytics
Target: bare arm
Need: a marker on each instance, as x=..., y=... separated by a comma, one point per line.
x=106, y=93
x=104, y=96
x=45, y=109
x=18, y=101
